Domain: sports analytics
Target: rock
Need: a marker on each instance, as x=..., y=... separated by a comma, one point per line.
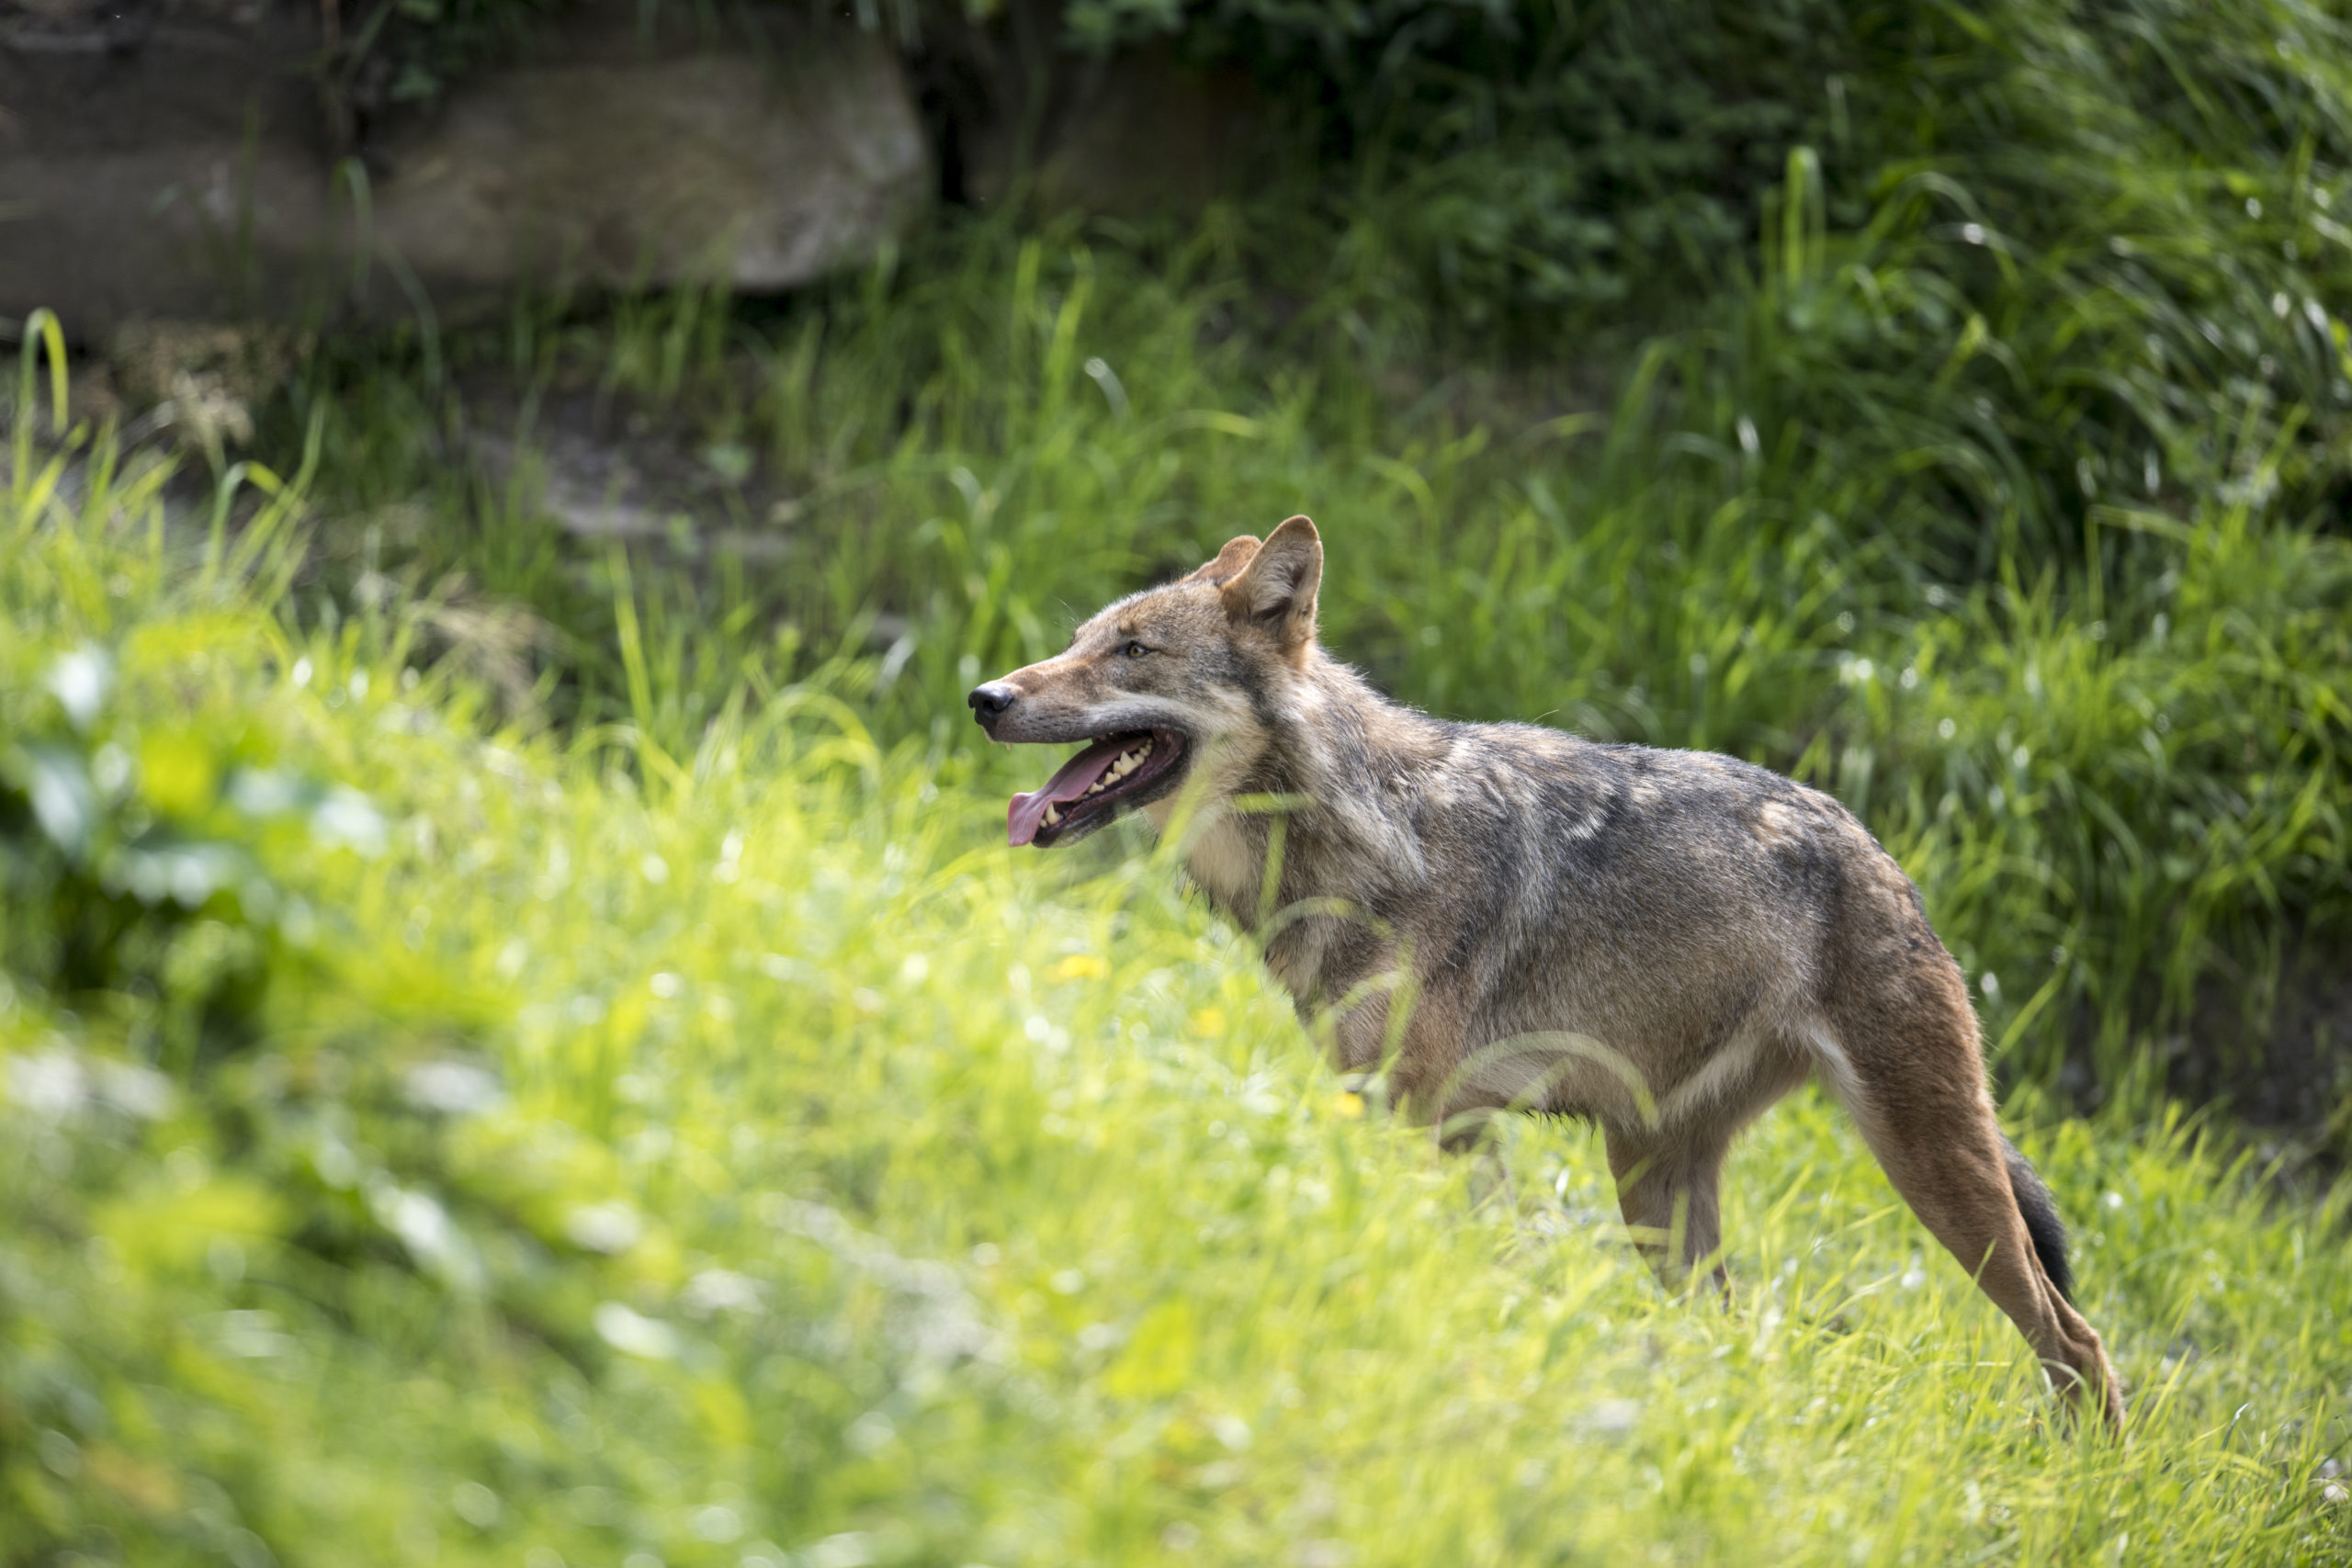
x=154, y=163
x=174, y=161
x=608, y=162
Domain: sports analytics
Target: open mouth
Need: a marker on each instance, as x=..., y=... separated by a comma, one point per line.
x=1094, y=786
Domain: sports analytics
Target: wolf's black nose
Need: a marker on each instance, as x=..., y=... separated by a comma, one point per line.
x=990, y=702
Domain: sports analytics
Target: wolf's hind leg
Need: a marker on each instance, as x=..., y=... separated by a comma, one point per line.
x=1666, y=1185
x=1918, y=1093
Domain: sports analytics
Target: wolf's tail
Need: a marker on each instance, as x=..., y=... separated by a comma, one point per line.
x=2042, y=1222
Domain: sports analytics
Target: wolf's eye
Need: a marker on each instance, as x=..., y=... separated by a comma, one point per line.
x=1136, y=650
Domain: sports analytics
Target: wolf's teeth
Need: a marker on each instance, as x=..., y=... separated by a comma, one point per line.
x=1053, y=814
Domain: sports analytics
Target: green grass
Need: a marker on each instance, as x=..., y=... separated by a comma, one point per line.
x=2121, y=765
x=742, y=1158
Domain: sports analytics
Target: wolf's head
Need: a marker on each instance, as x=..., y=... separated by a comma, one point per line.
x=1172, y=684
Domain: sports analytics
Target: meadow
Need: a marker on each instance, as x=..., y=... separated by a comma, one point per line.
x=2111, y=736
x=490, y=1147
x=521, y=1041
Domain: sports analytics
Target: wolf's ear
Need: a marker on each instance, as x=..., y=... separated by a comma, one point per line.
x=1229, y=560
x=1276, y=589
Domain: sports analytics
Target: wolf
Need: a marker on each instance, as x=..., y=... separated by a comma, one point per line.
x=1504, y=916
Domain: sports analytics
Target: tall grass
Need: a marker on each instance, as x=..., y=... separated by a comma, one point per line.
x=518, y=1045
x=2116, y=763
x=606, y=1146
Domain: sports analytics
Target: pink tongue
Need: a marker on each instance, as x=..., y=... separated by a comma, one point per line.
x=1027, y=812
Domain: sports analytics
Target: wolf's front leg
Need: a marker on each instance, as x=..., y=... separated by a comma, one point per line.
x=1666, y=1189
x=1412, y=1038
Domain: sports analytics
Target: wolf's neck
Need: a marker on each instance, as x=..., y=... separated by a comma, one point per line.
x=1339, y=770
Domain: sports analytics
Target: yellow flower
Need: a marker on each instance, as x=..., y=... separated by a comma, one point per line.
x=1079, y=966
x=1348, y=1105
x=1209, y=1021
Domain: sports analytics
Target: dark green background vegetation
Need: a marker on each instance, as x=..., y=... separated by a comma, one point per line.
x=1659, y=367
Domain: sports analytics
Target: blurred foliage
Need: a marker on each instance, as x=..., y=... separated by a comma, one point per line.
x=296, y=1264
x=696, y=1145
x=2100, y=243
x=1522, y=162
x=2099, y=240
x=132, y=838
